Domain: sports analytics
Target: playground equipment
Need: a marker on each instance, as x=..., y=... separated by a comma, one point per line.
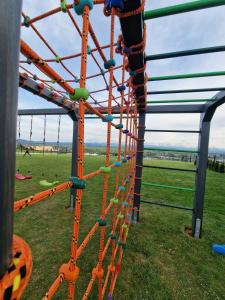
x=20, y=176
x=129, y=160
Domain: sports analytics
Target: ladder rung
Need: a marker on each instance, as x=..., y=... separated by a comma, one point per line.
x=171, y=150
x=178, y=131
x=167, y=205
x=168, y=186
x=170, y=169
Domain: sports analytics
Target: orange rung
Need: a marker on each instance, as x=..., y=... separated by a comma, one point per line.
x=54, y=287
x=20, y=204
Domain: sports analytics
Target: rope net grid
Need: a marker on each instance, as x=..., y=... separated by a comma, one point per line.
x=52, y=73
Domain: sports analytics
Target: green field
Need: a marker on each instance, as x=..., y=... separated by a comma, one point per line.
x=161, y=261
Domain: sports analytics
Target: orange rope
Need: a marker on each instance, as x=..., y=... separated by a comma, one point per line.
x=80, y=162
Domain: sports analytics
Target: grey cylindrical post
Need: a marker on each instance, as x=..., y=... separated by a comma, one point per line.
x=9, y=56
x=139, y=163
x=74, y=163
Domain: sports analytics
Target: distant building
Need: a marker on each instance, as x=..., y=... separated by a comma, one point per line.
x=43, y=148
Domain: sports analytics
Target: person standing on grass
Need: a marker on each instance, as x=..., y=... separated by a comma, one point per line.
x=27, y=152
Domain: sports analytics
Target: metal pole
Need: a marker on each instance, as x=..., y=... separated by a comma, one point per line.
x=74, y=163
x=182, y=8
x=186, y=76
x=179, y=101
x=139, y=163
x=9, y=56
x=187, y=91
x=200, y=180
x=185, y=53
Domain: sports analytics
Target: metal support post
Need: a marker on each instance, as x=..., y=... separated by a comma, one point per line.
x=200, y=180
x=139, y=163
x=10, y=11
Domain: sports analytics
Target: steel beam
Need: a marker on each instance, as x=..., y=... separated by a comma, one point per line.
x=156, y=109
x=32, y=86
x=10, y=12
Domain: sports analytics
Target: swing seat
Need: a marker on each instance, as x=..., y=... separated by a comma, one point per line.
x=20, y=176
x=48, y=184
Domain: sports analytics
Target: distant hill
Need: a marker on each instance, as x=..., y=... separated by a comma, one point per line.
x=213, y=150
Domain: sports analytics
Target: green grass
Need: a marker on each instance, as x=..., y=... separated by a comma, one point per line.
x=161, y=262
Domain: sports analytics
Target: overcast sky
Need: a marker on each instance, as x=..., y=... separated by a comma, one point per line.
x=198, y=29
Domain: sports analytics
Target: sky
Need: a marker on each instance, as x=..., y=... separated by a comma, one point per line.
x=191, y=30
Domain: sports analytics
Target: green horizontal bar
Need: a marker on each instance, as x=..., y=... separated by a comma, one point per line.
x=171, y=150
x=180, y=101
x=185, y=76
x=181, y=8
x=168, y=186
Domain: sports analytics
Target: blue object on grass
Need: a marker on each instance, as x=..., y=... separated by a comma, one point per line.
x=218, y=249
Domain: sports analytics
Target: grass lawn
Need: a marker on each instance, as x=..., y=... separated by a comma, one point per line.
x=161, y=262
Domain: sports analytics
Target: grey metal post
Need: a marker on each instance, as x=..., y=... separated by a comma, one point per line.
x=9, y=56
x=74, y=163
x=200, y=180
x=139, y=163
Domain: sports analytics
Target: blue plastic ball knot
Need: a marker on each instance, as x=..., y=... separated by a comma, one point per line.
x=110, y=63
x=79, y=8
x=108, y=118
x=114, y=3
x=121, y=88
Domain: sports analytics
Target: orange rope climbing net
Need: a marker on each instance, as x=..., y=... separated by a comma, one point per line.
x=122, y=202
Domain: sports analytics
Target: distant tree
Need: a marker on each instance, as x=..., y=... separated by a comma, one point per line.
x=195, y=161
x=216, y=166
x=222, y=168
x=210, y=163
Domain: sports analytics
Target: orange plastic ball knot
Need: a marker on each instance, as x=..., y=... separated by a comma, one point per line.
x=69, y=275
x=16, y=279
x=111, y=268
x=96, y=272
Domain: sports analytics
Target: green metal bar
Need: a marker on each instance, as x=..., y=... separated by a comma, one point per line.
x=171, y=150
x=182, y=8
x=185, y=76
x=180, y=101
x=183, y=53
x=168, y=186
x=167, y=205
